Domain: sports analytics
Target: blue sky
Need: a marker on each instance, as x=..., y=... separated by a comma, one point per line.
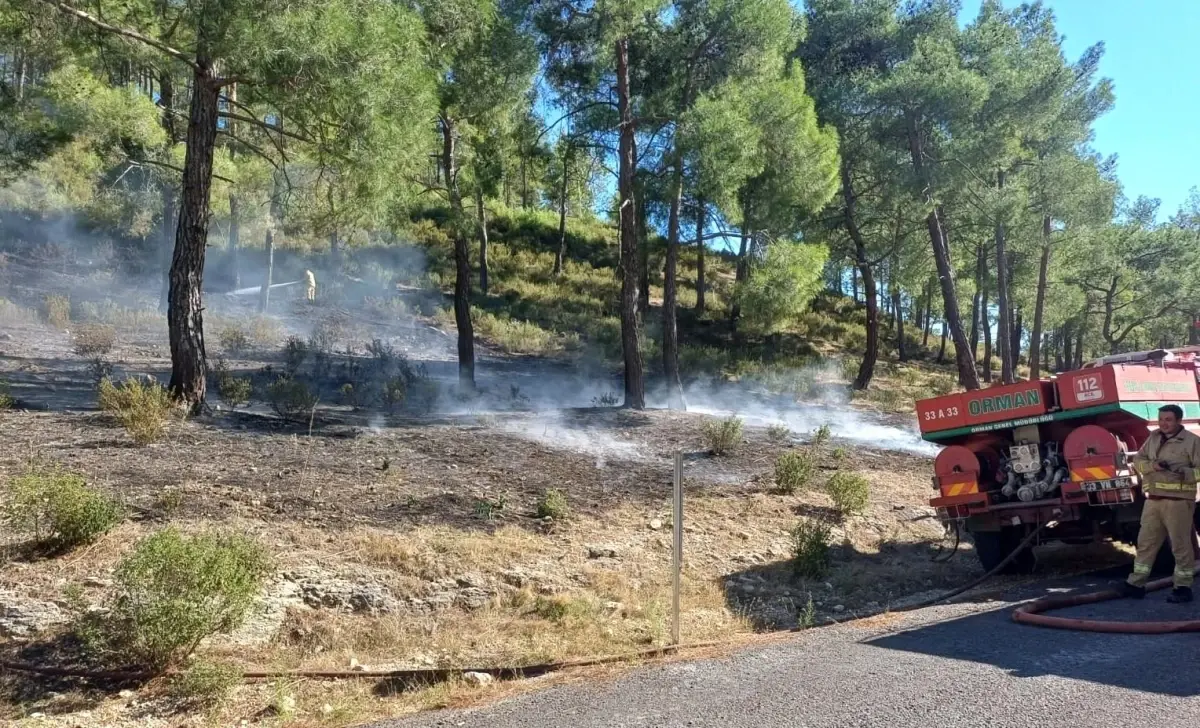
x=1152, y=54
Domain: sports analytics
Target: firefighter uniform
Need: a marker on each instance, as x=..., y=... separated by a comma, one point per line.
x=311, y=281
x=1170, y=503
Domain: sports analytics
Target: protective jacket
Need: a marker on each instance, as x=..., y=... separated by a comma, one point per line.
x=1180, y=454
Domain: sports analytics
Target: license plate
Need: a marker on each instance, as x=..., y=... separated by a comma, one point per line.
x=1091, y=486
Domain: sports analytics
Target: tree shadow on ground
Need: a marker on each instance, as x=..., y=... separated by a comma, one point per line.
x=54, y=694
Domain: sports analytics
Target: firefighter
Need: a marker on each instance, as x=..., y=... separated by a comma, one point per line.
x=311, y=281
x=1167, y=463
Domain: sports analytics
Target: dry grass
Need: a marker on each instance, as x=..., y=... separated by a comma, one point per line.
x=11, y=313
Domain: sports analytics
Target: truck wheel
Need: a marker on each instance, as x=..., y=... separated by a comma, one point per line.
x=992, y=547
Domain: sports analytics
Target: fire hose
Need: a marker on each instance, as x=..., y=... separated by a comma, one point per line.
x=1033, y=613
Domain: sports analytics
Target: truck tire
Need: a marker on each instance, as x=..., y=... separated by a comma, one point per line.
x=992, y=547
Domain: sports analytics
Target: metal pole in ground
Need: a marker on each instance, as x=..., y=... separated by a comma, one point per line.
x=677, y=555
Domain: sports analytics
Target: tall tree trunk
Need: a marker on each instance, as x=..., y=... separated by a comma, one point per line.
x=185, y=309
x=1014, y=347
x=854, y=283
x=166, y=242
x=1039, y=306
x=562, y=218
x=524, y=185
x=635, y=386
x=643, y=247
x=481, y=213
x=701, y=285
x=985, y=321
x=264, y=295
x=942, y=351
x=1004, y=323
x=462, y=260
x=1080, y=333
x=234, y=207
x=741, y=269
x=980, y=274
x=866, y=369
x=963, y=355
x=670, y=339
x=1068, y=346
x=928, y=316
x=898, y=312
x=235, y=233
x=1194, y=330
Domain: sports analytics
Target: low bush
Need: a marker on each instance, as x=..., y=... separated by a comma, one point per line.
x=291, y=399
x=93, y=340
x=6, y=398
x=794, y=470
x=810, y=547
x=234, y=339
x=57, y=310
x=821, y=436
x=58, y=507
x=99, y=369
x=204, y=684
x=850, y=492
x=723, y=436
x=778, y=433
x=393, y=393
x=174, y=590
x=553, y=505
x=142, y=407
x=235, y=391
x=295, y=353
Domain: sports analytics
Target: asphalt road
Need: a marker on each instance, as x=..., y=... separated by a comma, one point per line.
x=959, y=665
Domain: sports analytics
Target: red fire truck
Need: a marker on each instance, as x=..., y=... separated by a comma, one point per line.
x=1056, y=450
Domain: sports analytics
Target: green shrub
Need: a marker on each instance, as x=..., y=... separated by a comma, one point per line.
x=6, y=398
x=291, y=399
x=778, y=433
x=295, y=353
x=142, y=407
x=204, y=684
x=794, y=470
x=553, y=504
x=810, y=547
x=235, y=391
x=93, y=340
x=98, y=370
x=173, y=590
x=58, y=507
x=58, y=311
x=840, y=454
x=393, y=392
x=723, y=436
x=850, y=492
x=234, y=339
x=821, y=436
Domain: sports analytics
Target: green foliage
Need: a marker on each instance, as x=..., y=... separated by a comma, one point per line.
x=234, y=339
x=58, y=507
x=794, y=470
x=291, y=399
x=722, y=436
x=235, y=391
x=553, y=505
x=779, y=433
x=143, y=407
x=205, y=684
x=850, y=492
x=174, y=590
x=6, y=398
x=57, y=310
x=810, y=547
x=779, y=289
x=93, y=340
x=821, y=436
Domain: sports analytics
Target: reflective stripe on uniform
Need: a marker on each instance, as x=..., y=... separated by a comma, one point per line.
x=1141, y=568
x=1185, y=573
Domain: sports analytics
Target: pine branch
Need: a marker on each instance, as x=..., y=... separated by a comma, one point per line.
x=92, y=20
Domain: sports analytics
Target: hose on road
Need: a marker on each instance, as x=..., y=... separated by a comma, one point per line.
x=1033, y=613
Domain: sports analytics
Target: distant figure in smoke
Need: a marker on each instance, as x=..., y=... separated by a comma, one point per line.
x=312, y=286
